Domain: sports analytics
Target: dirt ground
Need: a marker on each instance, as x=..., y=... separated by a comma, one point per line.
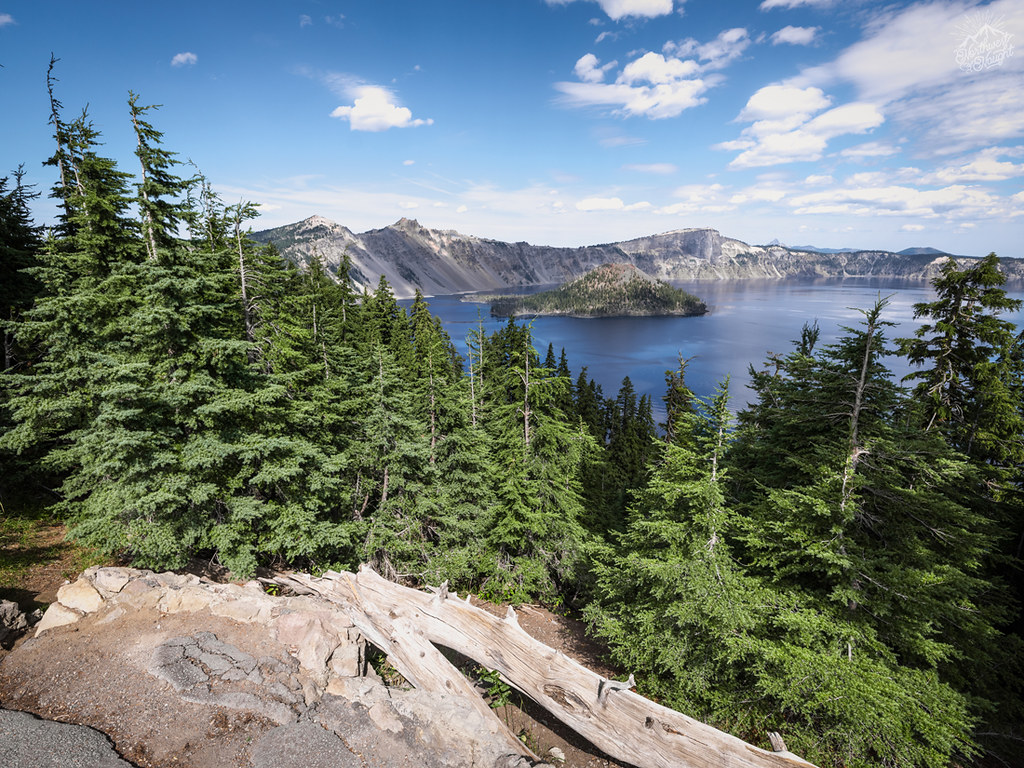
x=99, y=679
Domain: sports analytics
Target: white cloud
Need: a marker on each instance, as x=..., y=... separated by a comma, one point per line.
x=305, y=20
x=654, y=85
x=698, y=199
x=817, y=179
x=600, y=204
x=784, y=101
x=408, y=205
x=768, y=5
x=729, y=45
x=726, y=47
x=620, y=9
x=986, y=166
x=912, y=228
x=374, y=109
x=461, y=209
x=5, y=19
x=869, y=149
x=656, y=69
x=795, y=35
x=664, y=169
x=783, y=130
x=956, y=201
x=184, y=59
x=588, y=70
x=408, y=162
x=735, y=145
x=613, y=140
x=655, y=102
x=907, y=62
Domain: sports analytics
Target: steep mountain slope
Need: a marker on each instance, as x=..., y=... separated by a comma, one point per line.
x=411, y=256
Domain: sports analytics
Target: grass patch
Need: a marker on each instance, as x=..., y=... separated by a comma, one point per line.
x=35, y=557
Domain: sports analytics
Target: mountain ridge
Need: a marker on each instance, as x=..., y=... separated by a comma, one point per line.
x=413, y=257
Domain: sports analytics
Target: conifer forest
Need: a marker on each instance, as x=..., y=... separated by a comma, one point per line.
x=839, y=561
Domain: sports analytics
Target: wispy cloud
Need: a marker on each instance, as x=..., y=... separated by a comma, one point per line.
x=768, y=5
x=907, y=63
x=662, y=169
x=795, y=35
x=870, y=149
x=305, y=20
x=5, y=19
x=774, y=142
x=185, y=59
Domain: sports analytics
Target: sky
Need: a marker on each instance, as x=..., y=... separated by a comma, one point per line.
x=833, y=123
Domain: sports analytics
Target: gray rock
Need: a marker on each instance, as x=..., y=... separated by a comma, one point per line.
x=28, y=742
x=12, y=620
x=302, y=745
x=112, y=580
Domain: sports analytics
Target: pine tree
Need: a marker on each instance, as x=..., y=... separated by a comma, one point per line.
x=535, y=532
x=678, y=399
x=967, y=351
x=854, y=509
x=20, y=243
x=674, y=604
x=84, y=272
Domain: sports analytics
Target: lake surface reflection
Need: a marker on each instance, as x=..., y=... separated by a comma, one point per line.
x=748, y=319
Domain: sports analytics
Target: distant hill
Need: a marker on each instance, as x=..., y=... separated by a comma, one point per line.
x=924, y=252
x=434, y=261
x=611, y=290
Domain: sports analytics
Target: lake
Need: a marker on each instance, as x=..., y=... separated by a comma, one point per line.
x=748, y=319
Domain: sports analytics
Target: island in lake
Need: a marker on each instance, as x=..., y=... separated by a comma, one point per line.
x=611, y=290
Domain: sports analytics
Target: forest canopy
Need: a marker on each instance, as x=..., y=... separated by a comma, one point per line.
x=839, y=561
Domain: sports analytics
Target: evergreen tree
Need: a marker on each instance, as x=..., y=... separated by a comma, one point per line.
x=853, y=509
x=20, y=243
x=630, y=446
x=535, y=533
x=967, y=355
x=678, y=399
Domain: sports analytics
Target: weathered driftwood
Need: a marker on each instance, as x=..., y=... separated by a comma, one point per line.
x=406, y=623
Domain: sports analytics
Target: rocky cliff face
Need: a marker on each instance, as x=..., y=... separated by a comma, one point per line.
x=411, y=256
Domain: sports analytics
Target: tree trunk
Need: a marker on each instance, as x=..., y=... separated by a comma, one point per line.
x=407, y=624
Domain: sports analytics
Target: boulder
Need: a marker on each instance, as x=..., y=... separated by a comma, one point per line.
x=314, y=641
x=110, y=581
x=80, y=596
x=12, y=620
x=56, y=616
x=186, y=600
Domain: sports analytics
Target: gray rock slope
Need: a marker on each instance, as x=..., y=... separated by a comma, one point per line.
x=411, y=256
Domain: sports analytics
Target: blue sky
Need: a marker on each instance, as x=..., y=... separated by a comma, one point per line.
x=562, y=122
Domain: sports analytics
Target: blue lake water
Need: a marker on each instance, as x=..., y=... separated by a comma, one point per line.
x=748, y=319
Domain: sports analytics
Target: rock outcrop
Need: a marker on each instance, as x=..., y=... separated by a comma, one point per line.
x=413, y=257
x=178, y=669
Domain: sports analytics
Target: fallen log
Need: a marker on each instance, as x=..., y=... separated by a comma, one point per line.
x=406, y=623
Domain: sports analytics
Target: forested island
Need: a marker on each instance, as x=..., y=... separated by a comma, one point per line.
x=611, y=290
x=840, y=561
